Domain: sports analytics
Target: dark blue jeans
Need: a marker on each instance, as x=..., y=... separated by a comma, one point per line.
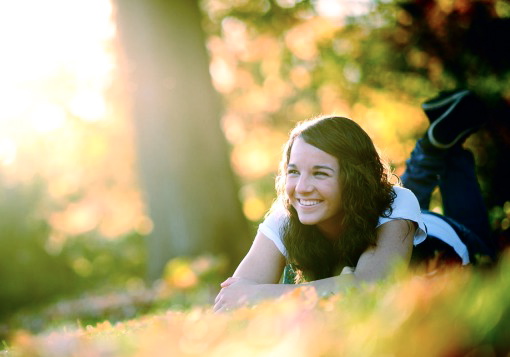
x=453, y=170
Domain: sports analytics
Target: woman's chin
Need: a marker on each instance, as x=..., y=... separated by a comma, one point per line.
x=307, y=221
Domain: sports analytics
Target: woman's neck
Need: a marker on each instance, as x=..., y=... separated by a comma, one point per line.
x=332, y=228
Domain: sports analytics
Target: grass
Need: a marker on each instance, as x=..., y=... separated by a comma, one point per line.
x=458, y=312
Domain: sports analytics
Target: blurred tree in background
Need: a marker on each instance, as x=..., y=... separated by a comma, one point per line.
x=185, y=171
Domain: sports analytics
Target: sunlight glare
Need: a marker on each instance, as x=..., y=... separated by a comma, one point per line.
x=51, y=49
x=340, y=9
x=88, y=105
x=286, y=4
x=14, y=101
x=7, y=151
x=57, y=73
x=47, y=117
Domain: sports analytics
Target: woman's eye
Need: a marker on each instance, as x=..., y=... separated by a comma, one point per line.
x=321, y=173
x=292, y=172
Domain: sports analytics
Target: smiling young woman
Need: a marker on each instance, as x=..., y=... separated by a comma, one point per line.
x=338, y=221
x=321, y=240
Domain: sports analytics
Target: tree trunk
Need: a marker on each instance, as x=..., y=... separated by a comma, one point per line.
x=185, y=172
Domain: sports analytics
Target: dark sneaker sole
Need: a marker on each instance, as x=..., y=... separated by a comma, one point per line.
x=437, y=103
x=452, y=101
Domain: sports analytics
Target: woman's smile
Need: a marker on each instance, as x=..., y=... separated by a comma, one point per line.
x=308, y=203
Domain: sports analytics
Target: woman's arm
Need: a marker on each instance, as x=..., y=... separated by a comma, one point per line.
x=263, y=264
x=394, y=246
x=256, y=277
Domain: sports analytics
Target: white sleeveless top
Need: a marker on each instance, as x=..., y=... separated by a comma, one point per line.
x=405, y=206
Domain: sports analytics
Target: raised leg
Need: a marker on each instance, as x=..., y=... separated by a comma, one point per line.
x=423, y=169
x=460, y=191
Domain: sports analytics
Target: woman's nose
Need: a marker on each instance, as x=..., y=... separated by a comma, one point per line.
x=304, y=184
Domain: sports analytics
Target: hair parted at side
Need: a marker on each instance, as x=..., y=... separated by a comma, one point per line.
x=366, y=192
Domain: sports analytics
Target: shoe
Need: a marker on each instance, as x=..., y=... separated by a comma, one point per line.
x=436, y=106
x=453, y=116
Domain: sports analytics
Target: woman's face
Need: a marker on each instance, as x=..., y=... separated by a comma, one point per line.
x=313, y=187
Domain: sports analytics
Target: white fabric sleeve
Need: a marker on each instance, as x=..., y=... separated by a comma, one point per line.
x=406, y=207
x=272, y=224
x=437, y=227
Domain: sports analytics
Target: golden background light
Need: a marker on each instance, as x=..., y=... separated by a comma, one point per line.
x=61, y=120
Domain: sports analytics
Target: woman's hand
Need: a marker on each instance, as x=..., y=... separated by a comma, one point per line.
x=237, y=292
x=255, y=278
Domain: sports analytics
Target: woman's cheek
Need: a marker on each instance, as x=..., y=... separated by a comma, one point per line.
x=289, y=188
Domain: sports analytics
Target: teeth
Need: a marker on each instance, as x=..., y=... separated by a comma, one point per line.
x=308, y=202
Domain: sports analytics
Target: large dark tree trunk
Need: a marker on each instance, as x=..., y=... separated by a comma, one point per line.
x=190, y=189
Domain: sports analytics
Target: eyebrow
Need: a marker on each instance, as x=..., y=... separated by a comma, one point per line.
x=316, y=167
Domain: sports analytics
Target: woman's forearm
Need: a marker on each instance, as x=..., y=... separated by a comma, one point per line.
x=333, y=285
x=238, y=291
x=323, y=287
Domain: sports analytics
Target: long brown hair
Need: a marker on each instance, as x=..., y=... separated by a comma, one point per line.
x=366, y=195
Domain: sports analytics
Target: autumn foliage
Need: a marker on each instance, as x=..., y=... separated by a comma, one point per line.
x=454, y=313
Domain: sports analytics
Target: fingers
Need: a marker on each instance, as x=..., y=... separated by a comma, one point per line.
x=218, y=297
x=228, y=282
x=221, y=309
x=220, y=302
x=217, y=307
x=220, y=306
x=224, y=285
x=223, y=303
